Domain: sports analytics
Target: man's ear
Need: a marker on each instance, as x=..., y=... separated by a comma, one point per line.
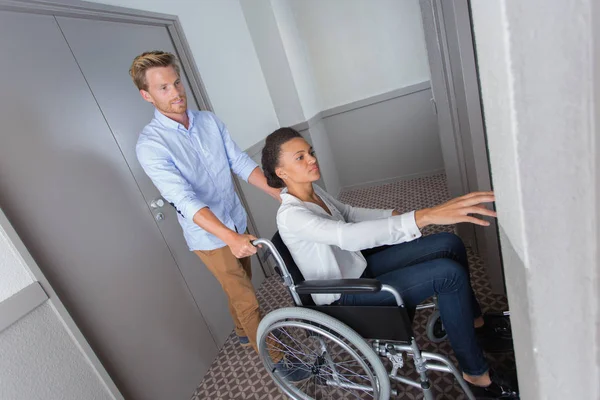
x=146, y=96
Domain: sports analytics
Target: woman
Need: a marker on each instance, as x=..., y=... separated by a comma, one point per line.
x=325, y=238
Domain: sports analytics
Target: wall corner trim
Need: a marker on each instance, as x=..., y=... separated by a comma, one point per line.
x=309, y=123
x=403, y=91
x=20, y=304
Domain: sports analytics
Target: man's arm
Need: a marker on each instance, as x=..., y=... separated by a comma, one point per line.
x=242, y=165
x=257, y=178
x=240, y=244
x=176, y=190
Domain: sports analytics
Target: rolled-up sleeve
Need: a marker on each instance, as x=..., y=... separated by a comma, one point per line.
x=166, y=177
x=306, y=225
x=241, y=164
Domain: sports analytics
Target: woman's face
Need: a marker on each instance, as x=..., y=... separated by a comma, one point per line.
x=297, y=162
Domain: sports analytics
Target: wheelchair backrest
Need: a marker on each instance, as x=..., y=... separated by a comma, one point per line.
x=291, y=266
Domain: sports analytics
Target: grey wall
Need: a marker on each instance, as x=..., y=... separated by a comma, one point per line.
x=540, y=99
x=386, y=138
x=262, y=207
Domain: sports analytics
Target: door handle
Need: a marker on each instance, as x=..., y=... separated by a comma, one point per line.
x=433, y=105
x=157, y=203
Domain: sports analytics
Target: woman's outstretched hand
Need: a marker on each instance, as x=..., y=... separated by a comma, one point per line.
x=457, y=210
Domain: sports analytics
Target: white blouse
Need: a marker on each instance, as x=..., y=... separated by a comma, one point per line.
x=328, y=246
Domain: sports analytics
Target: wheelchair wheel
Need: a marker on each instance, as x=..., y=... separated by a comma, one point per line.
x=342, y=364
x=435, y=329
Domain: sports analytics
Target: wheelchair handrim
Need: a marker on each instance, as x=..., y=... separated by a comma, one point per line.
x=289, y=388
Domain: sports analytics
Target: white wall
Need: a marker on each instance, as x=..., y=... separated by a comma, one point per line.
x=224, y=53
x=361, y=48
x=350, y=50
x=538, y=92
x=268, y=42
x=298, y=57
x=40, y=358
x=41, y=361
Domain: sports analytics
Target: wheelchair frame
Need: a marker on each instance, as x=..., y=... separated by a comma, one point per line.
x=423, y=361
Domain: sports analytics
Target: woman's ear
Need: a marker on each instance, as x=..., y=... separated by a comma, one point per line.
x=279, y=172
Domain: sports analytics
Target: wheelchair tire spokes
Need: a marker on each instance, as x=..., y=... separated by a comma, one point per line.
x=342, y=364
x=334, y=371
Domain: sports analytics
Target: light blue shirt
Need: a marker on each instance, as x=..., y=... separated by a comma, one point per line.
x=191, y=169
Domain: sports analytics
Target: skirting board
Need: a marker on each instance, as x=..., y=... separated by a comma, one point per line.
x=391, y=180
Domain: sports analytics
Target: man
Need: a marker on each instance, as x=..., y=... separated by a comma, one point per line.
x=189, y=155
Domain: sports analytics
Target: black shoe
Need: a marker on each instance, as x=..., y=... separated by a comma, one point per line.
x=499, y=389
x=495, y=336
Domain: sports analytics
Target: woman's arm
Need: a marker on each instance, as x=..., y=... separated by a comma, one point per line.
x=355, y=214
x=452, y=212
x=307, y=225
x=352, y=236
x=458, y=210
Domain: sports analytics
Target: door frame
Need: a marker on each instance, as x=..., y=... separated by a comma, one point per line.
x=103, y=12
x=449, y=40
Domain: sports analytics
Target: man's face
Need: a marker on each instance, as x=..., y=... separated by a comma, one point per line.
x=165, y=90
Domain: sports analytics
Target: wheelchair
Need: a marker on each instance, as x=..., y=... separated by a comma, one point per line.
x=331, y=341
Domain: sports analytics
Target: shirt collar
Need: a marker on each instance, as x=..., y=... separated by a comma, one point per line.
x=169, y=123
x=288, y=198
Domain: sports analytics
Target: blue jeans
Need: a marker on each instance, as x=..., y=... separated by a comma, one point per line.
x=432, y=265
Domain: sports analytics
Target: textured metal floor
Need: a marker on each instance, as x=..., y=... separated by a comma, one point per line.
x=237, y=372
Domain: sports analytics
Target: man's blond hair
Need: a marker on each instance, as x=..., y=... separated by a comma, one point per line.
x=147, y=60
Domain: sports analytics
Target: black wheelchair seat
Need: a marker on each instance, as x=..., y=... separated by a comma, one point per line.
x=391, y=323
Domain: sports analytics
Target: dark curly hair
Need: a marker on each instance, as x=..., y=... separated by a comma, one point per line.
x=271, y=152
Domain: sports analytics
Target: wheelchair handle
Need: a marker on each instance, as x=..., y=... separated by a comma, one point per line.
x=285, y=274
x=268, y=244
x=278, y=259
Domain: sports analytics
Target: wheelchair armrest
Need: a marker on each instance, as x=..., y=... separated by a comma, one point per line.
x=339, y=286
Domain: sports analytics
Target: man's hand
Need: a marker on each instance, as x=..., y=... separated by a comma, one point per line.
x=457, y=210
x=241, y=245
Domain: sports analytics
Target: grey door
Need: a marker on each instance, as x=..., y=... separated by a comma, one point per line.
x=104, y=51
x=71, y=196
x=455, y=87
